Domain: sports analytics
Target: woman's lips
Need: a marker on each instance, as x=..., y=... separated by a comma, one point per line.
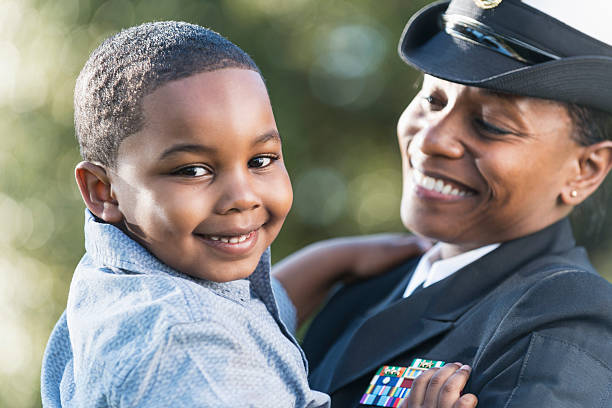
x=439, y=188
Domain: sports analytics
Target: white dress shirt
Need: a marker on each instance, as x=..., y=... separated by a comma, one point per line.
x=432, y=268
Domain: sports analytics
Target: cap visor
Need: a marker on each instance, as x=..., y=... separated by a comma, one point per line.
x=579, y=79
x=429, y=49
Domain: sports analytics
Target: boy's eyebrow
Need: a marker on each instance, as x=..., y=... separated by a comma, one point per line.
x=186, y=147
x=198, y=148
x=271, y=135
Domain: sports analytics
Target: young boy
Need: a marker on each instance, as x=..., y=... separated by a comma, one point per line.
x=185, y=189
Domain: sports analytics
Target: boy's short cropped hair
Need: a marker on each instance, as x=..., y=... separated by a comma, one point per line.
x=130, y=65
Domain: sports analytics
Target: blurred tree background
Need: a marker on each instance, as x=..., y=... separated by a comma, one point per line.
x=337, y=87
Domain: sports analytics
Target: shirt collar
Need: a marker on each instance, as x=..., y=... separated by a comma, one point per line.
x=431, y=268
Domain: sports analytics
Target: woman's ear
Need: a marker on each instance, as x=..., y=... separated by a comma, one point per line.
x=594, y=164
x=97, y=191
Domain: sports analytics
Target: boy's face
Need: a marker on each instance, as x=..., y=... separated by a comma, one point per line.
x=203, y=185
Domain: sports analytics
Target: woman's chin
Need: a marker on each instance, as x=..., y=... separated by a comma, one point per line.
x=436, y=230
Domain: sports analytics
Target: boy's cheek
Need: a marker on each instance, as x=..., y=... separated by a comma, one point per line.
x=284, y=195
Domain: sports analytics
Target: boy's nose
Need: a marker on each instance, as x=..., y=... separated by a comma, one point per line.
x=238, y=195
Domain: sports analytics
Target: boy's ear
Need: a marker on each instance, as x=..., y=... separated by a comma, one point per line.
x=97, y=191
x=594, y=164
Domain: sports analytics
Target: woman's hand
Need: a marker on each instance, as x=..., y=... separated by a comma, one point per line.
x=441, y=388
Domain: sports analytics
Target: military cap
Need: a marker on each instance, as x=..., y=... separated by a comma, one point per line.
x=553, y=49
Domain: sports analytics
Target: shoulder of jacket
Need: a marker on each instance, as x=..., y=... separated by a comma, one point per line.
x=563, y=300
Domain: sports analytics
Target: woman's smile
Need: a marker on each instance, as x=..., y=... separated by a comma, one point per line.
x=470, y=186
x=439, y=188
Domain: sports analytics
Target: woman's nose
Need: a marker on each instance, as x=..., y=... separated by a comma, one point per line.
x=441, y=135
x=238, y=195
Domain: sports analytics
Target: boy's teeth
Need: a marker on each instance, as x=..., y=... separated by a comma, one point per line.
x=438, y=185
x=230, y=240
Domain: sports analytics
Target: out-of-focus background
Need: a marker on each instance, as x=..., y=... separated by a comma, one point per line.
x=337, y=86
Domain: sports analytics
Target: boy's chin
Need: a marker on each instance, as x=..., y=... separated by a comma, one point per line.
x=231, y=271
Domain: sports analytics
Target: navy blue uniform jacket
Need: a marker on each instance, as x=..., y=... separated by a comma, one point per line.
x=532, y=318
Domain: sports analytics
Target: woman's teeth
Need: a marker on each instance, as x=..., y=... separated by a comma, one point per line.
x=231, y=240
x=430, y=183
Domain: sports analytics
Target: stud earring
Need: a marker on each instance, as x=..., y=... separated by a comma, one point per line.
x=573, y=193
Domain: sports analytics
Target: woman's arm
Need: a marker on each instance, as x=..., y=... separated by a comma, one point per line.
x=309, y=274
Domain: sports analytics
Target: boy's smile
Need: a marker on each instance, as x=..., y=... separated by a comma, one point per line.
x=203, y=185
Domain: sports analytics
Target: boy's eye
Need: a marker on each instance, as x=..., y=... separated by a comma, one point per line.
x=261, y=161
x=192, y=171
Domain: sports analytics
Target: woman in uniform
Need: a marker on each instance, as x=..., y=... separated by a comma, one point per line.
x=510, y=131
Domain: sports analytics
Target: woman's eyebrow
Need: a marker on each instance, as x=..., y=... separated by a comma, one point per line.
x=510, y=102
x=502, y=96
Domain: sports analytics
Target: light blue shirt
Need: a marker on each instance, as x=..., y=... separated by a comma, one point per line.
x=136, y=333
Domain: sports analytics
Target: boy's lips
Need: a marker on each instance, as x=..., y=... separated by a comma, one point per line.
x=230, y=238
x=234, y=243
x=235, y=237
x=234, y=231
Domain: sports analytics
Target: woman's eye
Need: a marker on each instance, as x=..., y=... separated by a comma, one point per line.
x=434, y=102
x=192, y=171
x=261, y=161
x=489, y=128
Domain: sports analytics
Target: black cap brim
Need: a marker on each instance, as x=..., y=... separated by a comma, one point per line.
x=584, y=80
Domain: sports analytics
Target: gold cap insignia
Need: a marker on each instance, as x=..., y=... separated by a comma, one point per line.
x=487, y=4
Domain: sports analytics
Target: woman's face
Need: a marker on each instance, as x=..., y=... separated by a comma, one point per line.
x=481, y=167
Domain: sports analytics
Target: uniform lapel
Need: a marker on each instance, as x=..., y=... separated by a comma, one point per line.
x=407, y=323
x=384, y=335
x=343, y=310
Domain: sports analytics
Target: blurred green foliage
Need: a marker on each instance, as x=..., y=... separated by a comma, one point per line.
x=337, y=87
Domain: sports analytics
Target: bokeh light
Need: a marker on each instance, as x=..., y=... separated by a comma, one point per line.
x=375, y=198
x=344, y=71
x=320, y=196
